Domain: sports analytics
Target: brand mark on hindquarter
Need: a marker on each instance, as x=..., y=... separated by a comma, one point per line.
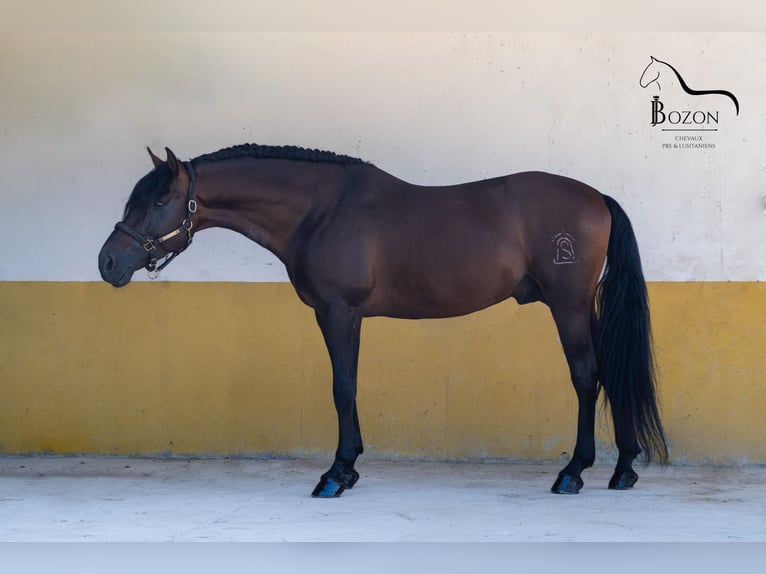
x=565, y=251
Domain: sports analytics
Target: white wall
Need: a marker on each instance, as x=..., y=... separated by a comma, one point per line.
x=78, y=110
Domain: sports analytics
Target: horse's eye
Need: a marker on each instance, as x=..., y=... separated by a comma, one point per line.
x=159, y=203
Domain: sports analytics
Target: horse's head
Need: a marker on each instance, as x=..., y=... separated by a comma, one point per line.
x=157, y=222
x=651, y=73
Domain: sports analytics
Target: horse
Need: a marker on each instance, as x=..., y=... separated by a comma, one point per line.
x=358, y=242
x=653, y=72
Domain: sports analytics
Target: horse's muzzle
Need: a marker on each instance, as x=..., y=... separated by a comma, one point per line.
x=112, y=270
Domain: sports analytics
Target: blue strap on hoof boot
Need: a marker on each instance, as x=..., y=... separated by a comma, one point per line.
x=328, y=487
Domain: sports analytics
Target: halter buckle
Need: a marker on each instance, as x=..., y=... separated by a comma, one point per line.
x=192, y=207
x=149, y=245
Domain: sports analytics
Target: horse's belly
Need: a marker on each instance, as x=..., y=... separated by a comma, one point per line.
x=420, y=294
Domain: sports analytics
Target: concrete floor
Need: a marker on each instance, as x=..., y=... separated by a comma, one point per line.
x=136, y=499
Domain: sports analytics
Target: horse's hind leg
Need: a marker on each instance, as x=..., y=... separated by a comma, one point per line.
x=624, y=476
x=341, y=326
x=574, y=330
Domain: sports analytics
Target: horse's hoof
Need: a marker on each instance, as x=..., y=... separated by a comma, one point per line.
x=333, y=486
x=351, y=478
x=567, y=484
x=329, y=487
x=623, y=480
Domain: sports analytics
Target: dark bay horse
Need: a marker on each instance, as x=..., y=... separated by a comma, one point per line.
x=358, y=242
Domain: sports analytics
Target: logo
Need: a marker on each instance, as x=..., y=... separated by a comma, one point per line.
x=683, y=117
x=565, y=252
x=685, y=114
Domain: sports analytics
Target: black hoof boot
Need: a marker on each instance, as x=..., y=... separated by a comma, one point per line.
x=623, y=480
x=332, y=486
x=567, y=484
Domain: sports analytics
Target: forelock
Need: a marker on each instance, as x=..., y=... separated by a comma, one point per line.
x=153, y=185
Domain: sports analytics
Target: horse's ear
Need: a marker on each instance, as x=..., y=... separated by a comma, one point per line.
x=172, y=162
x=155, y=160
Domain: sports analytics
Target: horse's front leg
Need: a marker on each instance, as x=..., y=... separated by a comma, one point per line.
x=341, y=326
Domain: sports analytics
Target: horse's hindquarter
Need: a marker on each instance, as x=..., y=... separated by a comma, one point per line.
x=566, y=227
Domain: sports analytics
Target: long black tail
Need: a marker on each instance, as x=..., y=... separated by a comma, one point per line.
x=624, y=341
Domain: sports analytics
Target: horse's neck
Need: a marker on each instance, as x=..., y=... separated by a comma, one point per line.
x=263, y=206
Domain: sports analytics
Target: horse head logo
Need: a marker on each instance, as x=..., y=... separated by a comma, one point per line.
x=653, y=72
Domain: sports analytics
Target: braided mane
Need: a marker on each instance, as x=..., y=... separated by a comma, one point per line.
x=294, y=153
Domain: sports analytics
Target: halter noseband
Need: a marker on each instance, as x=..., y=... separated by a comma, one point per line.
x=150, y=244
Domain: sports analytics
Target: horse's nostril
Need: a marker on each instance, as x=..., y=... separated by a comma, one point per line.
x=108, y=263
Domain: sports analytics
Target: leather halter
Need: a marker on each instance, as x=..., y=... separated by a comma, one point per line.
x=150, y=243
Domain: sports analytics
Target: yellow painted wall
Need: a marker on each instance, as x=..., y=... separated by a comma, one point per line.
x=240, y=369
